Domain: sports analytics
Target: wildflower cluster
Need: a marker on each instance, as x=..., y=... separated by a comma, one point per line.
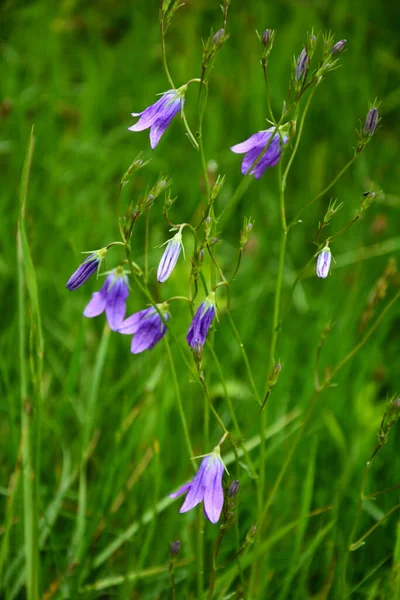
x=262, y=150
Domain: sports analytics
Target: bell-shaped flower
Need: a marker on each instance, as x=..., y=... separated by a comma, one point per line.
x=206, y=487
x=255, y=146
x=324, y=263
x=147, y=328
x=159, y=115
x=170, y=257
x=111, y=298
x=86, y=269
x=201, y=323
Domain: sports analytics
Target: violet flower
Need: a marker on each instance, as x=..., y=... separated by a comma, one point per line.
x=201, y=323
x=147, y=328
x=86, y=269
x=170, y=257
x=159, y=115
x=206, y=487
x=254, y=146
x=324, y=263
x=111, y=298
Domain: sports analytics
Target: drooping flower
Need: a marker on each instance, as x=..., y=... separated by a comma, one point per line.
x=111, y=298
x=324, y=263
x=201, y=323
x=146, y=326
x=206, y=487
x=254, y=146
x=170, y=257
x=159, y=115
x=86, y=269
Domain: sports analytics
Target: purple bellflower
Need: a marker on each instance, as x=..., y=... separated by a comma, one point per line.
x=206, y=487
x=324, y=263
x=254, y=146
x=86, y=269
x=147, y=328
x=201, y=323
x=111, y=298
x=170, y=257
x=159, y=115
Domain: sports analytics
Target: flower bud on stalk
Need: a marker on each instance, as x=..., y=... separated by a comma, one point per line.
x=233, y=489
x=302, y=64
x=324, y=263
x=371, y=122
x=339, y=47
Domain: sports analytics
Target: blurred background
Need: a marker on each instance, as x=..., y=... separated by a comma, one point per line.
x=76, y=70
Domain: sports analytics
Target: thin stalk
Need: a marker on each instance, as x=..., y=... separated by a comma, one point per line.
x=146, y=247
x=27, y=426
x=179, y=399
x=323, y=192
x=79, y=536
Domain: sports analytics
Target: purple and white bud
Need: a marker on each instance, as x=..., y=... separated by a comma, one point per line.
x=339, y=47
x=302, y=64
x=371, y=122
x=86, y=269
x=170, y=257
x=324, y=263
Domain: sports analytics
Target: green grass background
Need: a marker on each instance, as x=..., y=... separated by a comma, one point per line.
x=76, y=70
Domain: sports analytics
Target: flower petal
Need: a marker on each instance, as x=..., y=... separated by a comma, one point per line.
x=151, y=113
x=132, y=323
x=257, y=139
x=116, y=302
x=182, y=490
x=197, y=488
x=97, y=304
x=159, y=126
x=214, y=496
x=151, y=330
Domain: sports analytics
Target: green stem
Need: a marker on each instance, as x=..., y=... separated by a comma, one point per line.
x=80, y=540
x=179, y=400
x=326, y=189
x=27, y=429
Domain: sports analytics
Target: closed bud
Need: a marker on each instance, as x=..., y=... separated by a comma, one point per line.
x=175, y=548
x=324, y=263
x=371, y=122
x=218, y=37
x=266, y=37
x=233, y=489
x=339, y=47
x=302, y=64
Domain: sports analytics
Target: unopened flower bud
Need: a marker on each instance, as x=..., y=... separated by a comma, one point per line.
x=233, y=488
x=302, y=64
x=313, y=41
x=266, y=37
x=175, y=548
x=371, y=122
x=339, y=47
x=324, y=263
x=218, y=37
